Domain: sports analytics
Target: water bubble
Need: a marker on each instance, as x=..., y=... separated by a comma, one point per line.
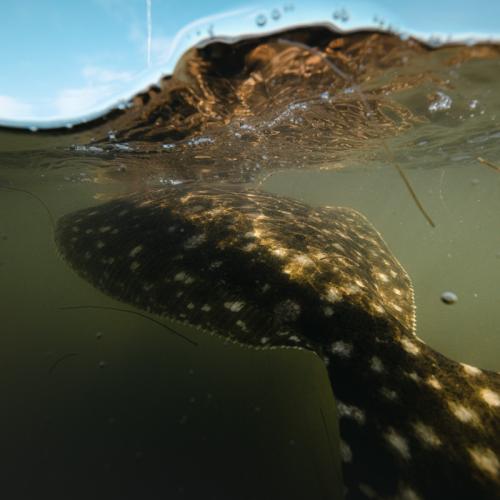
x=261, y=20
x=289, y=7
x=473, y=104
x=275, y=14
x=434, y=41
x=98, y=335
x=123, y=147
x=111, y=135
x=102, y=364
x=33, y=128
x=69, y=125
x=341, y=15
x=474, y=182
x=441, y=102
x=168, y=146
x=449, y=298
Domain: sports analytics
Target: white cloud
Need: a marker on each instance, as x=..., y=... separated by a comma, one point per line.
x=101, y=84
x=77, y=101
x=13, y=108
x=97, y=74
x=161, y=47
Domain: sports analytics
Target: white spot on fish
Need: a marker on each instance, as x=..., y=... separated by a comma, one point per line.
x=408, y=494
x=303, y=260
x=398, y=442
x=367, y=490
x=184, y=278
x=490, y=397
x=235, y=306
x=426, y=434
x=463, y=413
x=434, y=383
x=194, y=241
x=409, y=346
x=333, y=295
x=135, y=251
x=345, y=452
x=328, y=311
x=389, y=393
x=376, y=365
x=351, y=411
x=342, y=349
x=471, y=370
x=242, y=325
x=486, y=460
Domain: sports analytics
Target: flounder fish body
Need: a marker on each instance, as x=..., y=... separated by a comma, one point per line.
x=271, y=272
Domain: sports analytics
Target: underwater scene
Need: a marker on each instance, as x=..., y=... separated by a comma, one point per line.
x=270, y=272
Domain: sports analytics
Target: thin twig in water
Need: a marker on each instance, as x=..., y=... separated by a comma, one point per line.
x=407, y=184
x=59, y=360
x=488, y=163
x=137, y=313
x=356, y=88
x=33, y=195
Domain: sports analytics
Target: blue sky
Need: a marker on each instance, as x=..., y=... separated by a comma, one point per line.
x=64, y=59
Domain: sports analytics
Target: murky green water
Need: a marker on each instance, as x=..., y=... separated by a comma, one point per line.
x=135, y=412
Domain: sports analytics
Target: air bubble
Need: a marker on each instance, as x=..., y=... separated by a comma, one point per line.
x=449, y=298
x=275, y=14
x=33, y=128
x=473, y=104
x=341, y=15
x=261, y=20
x=441, y=102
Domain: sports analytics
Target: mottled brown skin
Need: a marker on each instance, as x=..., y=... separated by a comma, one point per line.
x=269, y=272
